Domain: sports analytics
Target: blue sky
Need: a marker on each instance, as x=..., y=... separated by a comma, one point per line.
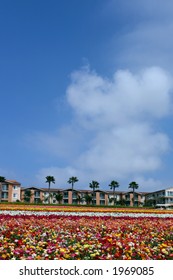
x=86, y=90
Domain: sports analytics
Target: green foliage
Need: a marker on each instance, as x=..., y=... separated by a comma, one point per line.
x=88, y=198
x=2, y=179
x=72, y=181
x=49, y=180
x=94, y=185
x=113, y=185
x=58, y=196
x=133, y=185
x=27, y=195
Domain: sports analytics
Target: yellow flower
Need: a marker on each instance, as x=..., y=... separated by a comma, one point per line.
x=86, y=246
x=62, y=250
x=164, y=252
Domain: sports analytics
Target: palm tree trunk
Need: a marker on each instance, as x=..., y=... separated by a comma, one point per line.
x=114, y=196
x=49, y=192
x=93, y=196
x=72, y=184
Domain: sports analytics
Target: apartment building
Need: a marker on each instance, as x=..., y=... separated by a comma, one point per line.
x=161, y=198
x=83, y=197
x=63, y=196
x=10, y=191
x=138, y=200
x=126, y=198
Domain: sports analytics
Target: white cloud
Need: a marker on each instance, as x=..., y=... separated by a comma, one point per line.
x=117, y=116
x=126, y=97
x=124, y=151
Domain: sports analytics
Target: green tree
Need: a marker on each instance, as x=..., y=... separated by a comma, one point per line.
x=87, y=198
x=2, y=180
x=58, y=196
x=94, y=185
x=49, y=180
x=79, y=199
x=72, y=181
x=27, y=195
x=122, y=201
x=134, y=186
x=113, y=185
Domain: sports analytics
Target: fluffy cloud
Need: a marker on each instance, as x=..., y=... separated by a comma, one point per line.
x=118, y=118
x=124, y=98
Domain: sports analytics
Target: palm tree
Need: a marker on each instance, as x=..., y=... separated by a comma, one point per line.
x=88, y=198
x=113, y=185
x=133, y=185
x=79, y=198
x=94, y=185
x=2, y=180
x=71, y=181
x=27, y=196
x=49, y=180
x=59, y=196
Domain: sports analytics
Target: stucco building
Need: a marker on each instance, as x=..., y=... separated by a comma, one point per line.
x=69, y=196
x=10, y=191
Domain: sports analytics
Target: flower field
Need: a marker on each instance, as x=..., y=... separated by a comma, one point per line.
x=68, y=233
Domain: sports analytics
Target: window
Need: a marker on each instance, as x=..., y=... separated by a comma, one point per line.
x=169, y=193
x=128, y=196
x=102, y=196
x=4, y=187
x=14, y=195
x=74, y=195
x=65, y=195
x=5, y=195
x=37, y=193
x=15, y=187
x=37, y=200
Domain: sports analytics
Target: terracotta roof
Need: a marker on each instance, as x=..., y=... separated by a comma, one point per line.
x=12, y=182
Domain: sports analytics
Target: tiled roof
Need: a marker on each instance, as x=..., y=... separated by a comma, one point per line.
x=12, y=182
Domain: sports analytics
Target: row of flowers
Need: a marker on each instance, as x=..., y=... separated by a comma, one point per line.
x=89, y=214
x=55, y=208
x=82, y=237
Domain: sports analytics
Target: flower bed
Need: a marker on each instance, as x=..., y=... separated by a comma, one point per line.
x=82, y=237
x=62, y=208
